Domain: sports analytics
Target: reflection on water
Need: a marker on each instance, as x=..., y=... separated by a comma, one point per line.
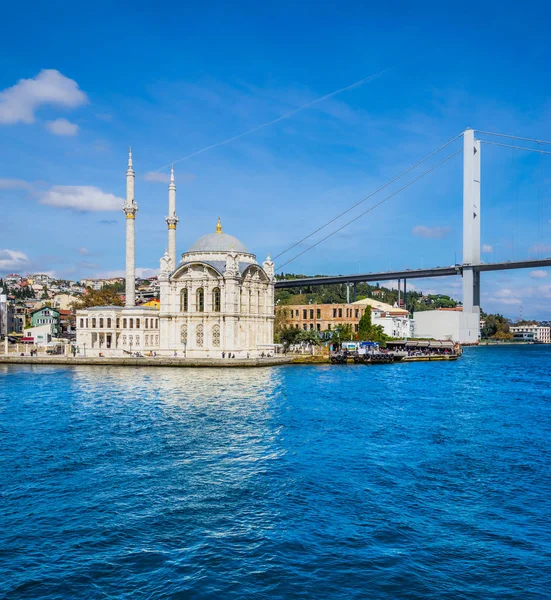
x=325, y=482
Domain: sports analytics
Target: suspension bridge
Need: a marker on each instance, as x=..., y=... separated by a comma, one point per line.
x=471, y=266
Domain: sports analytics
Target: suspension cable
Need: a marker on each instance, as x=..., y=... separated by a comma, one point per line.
x=372, y=207
x=370, y=195
x=512, y=137
x=517, y=147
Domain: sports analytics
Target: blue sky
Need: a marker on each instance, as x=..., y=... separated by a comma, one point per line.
x=80, y=83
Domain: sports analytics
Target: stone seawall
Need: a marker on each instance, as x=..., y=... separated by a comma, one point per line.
x=158, y=361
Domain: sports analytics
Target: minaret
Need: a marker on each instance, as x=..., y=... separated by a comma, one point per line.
x=130, y=209
x=172, y=219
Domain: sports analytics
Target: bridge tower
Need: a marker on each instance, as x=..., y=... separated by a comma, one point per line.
x=471, y=235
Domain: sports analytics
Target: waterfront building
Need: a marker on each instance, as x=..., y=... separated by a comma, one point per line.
x=447, y=324
x=327, y=317
x=531, y=333
x=216, y=298
x=47, y=315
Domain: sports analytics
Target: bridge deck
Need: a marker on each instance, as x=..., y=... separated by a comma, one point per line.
x=413, y=273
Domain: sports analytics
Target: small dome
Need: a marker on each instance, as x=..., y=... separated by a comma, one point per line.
x=218, y=242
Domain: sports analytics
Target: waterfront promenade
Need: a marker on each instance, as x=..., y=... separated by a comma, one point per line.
x=146, y=361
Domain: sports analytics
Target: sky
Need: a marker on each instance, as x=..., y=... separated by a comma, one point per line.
x=278, y=117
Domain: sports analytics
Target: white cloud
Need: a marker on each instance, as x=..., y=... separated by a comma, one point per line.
x=487, y=248
x=83, y=251
x=506, y=296
x=13, y=260
x=19, y=102
x=540, y=249
x=538, y=274
x=156, y=176
x=81, y=197
x=15, y=184
x=430, y=232
x=62, y=127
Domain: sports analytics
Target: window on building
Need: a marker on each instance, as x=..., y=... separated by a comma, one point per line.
x=156, y=323
x=124, y=323
x=146, y=323
x=137, y=323
x=304, y=313
x=199, y=336
x=216, y=300
x=292, y=312
x=109, y=323
x=357, y=313
x=356, y=327
x=305, y=327
x=311, y=326
x=334, y=313
x=216, y=336
x=184, y=300
x=318, y=327
x=311, y=313
x=200, y=300
x=131, y=323
x=183, y=334
x=94, y=323
x=86, y=323
x=82, y=323
x=118, y=322
x=340, y=312
x=318, y=313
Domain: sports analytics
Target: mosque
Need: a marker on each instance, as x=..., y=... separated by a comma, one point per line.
x=216, y=299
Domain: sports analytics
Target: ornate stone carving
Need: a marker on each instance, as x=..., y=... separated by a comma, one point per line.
x=166, y=265
x=232, y=268
x=268, y=266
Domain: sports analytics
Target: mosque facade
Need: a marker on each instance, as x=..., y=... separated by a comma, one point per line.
x=216, y=299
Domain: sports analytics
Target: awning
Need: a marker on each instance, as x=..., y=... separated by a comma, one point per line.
x=27, y=340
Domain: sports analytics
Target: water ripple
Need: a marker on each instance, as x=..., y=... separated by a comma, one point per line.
x=411, y=481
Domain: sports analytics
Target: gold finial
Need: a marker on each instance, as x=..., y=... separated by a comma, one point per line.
x=219, y=226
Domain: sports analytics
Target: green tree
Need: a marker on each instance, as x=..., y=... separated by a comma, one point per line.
x=365, y=325
x=97, y=298
x=289, y=337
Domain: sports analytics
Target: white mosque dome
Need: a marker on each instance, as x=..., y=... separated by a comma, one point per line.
x=218, y=242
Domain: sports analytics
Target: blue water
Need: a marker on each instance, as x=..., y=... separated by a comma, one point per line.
x=427, y=480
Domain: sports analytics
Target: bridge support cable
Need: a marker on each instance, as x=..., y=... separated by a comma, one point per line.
x=515, y=147
x=513, y=137
x=370, y=195
x=371, y=208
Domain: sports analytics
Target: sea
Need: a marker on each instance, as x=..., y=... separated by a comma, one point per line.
x=417, y=481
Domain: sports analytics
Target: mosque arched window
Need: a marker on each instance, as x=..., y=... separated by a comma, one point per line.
x=93, y=323
x=200, y=300
x=184, y=300
x=124, y=323
x=216, y=336
x=199, y=336
x=118, y=322
x=131, y=323
x=109, y=323
x=101, y=323
x=183, y=334
x=137, y=323
x=216, y=299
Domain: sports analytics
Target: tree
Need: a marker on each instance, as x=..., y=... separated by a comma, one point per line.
x=368, y=332
x=344, y=331
x=97, y=298
x=309, y=337
x=364, y=327
x=289, y=337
